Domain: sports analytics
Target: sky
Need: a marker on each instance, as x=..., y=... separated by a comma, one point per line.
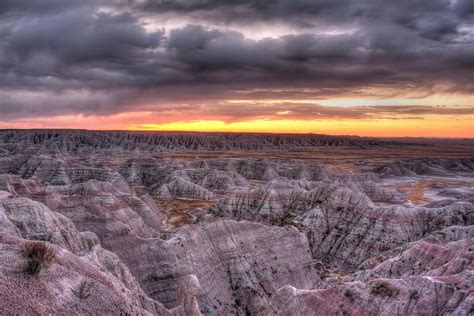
x=358, y=67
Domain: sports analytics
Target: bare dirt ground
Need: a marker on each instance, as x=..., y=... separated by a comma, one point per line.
x=340, y=159
x=418, y=191
x=178, y=211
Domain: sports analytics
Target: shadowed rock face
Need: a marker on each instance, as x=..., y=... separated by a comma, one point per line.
x=429, y=276
x=240, y=264
x=428, y=166
x=246, y=233
x=78, y=258
x=84, y=141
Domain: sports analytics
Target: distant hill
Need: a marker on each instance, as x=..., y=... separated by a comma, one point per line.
x=172, y=141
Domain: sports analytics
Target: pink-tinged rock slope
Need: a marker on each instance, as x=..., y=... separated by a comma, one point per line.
x=187, y=234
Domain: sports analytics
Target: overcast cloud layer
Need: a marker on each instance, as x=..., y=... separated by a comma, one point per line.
x=106, y=57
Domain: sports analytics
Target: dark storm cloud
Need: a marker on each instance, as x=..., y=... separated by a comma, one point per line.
x=35, y=7
x=464, y=8
x=411, y=13
x=244, y=10
x=101, y=57
x=288, y=110
x=82, y=36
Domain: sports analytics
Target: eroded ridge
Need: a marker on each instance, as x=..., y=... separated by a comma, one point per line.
x=189, y=224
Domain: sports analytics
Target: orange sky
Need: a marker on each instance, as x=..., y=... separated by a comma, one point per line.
x=384, y=117
x=426, y=126
x=401, y=69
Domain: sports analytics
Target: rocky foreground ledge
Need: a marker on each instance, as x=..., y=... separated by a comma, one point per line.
x=99, y=223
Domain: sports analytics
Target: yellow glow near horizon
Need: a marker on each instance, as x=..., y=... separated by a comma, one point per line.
x=431, y=126
x=424, y=125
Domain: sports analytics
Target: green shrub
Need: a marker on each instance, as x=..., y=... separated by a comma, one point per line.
x=349, y=295
x=33, y=267
x=84, y=290
x=414, y=295
x=38, y=255
x=383, y=289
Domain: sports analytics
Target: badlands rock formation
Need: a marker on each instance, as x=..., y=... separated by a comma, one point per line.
x=84, y=141
x=191, y=224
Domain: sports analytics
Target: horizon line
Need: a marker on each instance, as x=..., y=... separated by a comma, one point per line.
x=229, y=132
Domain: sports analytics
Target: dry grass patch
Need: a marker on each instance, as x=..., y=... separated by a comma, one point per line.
x=177, y=211
x=416, y=192
x=39, y=255
x=341, y=167
x=330, y=155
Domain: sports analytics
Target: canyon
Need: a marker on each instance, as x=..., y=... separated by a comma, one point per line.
x=185, y=223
